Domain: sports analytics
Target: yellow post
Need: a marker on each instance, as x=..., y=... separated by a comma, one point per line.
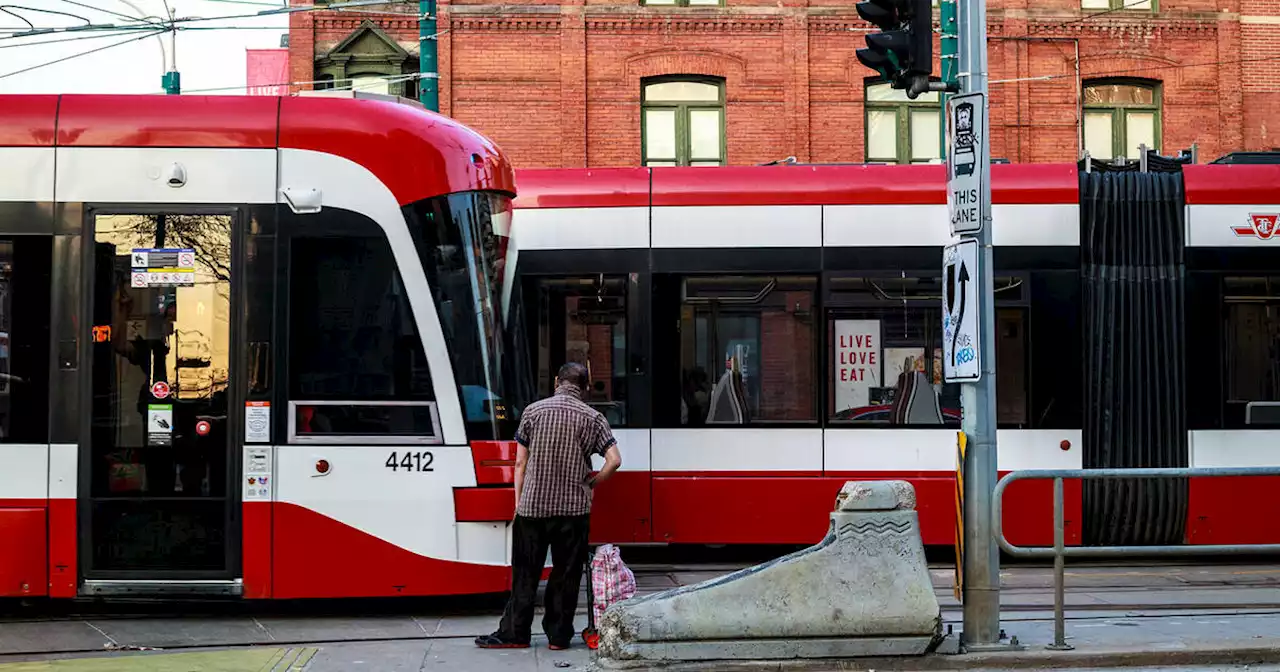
x=958, y=586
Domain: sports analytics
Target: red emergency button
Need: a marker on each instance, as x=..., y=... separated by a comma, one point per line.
x=322, y=466
x=202, y=427
x=1065, y=445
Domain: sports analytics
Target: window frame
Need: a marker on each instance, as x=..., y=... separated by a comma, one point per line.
x=1120, y=112
x=817, y=340
x=902, y=132
x=836, y=307
x=682, y=109
x=544, y=286
x=347, y=225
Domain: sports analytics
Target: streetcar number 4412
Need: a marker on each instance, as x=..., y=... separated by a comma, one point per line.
x=410, y=461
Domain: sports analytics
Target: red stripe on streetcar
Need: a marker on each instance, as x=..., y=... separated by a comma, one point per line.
x=327, y=558
x=29, y=121
x=240, y=122
x=484, y=505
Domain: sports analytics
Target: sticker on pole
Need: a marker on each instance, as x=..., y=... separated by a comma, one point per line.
x=961, y=313
x=966, y=207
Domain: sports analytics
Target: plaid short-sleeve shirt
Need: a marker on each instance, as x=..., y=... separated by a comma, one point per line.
x=561, y=434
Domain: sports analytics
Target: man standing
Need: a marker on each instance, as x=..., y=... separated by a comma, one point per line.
x=554, y=443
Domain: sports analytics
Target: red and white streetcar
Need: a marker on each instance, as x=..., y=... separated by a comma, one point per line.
x=253, y=348
x=755, y=324
x=276, y=347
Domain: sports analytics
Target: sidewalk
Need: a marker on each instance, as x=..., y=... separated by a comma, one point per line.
x=1148, y=617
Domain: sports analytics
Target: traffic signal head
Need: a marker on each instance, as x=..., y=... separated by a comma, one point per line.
x=903, y=49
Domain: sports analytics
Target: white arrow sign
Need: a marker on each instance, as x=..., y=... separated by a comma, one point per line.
x=961, y=315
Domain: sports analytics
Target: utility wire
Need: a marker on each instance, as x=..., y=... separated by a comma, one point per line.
x=1093, y=15
x=75, y=38
x=104, y=10
x=45, y=11
x=1131, y=71
x=389, y=79
x=83, y=53
x=194, y=19
x=18, y=17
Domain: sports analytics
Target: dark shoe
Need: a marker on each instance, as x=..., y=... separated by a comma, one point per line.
x=495, y=641
x=557, y=646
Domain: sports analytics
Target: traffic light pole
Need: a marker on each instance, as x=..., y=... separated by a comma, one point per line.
x=978, y=398
x=429, y=83
x=947, y=23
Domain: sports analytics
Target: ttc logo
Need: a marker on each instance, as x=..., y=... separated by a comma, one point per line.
x=1259, y=226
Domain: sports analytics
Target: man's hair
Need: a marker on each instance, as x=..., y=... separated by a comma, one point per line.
x=575, y=373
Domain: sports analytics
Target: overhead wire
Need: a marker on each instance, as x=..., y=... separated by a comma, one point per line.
x=19, y=17
x=74, y=38
x=1090, y=16
x=104, y=10
x=389, y=79
x=133, y=38
x=336, y=6
x=1131, y=71
x=45, y=11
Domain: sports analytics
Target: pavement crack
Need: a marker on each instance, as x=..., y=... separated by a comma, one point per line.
x=264, y=629
x=102, y=632
x=426, y=654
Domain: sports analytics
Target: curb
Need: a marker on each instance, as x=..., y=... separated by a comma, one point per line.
x=1030, y=659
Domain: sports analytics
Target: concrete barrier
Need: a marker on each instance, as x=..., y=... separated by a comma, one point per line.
x=864, y=590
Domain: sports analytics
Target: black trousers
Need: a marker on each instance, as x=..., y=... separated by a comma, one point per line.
x=530, y=537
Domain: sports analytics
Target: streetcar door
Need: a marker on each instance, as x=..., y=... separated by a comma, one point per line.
x=157, y=514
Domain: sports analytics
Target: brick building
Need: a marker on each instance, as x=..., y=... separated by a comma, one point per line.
x=594, y=83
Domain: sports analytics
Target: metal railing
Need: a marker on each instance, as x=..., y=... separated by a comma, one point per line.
x=1060, y=551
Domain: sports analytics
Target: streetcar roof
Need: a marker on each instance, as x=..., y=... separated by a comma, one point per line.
x=923, y=184
x=417, y=153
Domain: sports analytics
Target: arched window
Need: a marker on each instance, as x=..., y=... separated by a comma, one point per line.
x=682, y=122
x=899, y=129
x=1119, y=116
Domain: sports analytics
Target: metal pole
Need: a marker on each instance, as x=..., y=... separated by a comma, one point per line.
x=982, y=553
x=429, y=83
x=947, y=23
x=172, y=80
x=1059, y=572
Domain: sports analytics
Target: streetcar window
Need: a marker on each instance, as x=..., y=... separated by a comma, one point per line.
x=461, y=240
x=748, y=350
x=1251, y=350
x=884, y=338
x=25, y=265
x=584, y=320
x=355, y=358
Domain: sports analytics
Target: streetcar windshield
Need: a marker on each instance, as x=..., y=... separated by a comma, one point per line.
x=461, y=239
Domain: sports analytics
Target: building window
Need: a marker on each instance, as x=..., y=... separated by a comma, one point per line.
x=747, y=350
x=901, y=130
x=885, y=350
x=1117, y=4
x=1120, y=116
x=584, y=320
x=682, y=122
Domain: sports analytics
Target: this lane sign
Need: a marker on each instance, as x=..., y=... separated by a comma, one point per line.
x=966, y=208
x=961, y=314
